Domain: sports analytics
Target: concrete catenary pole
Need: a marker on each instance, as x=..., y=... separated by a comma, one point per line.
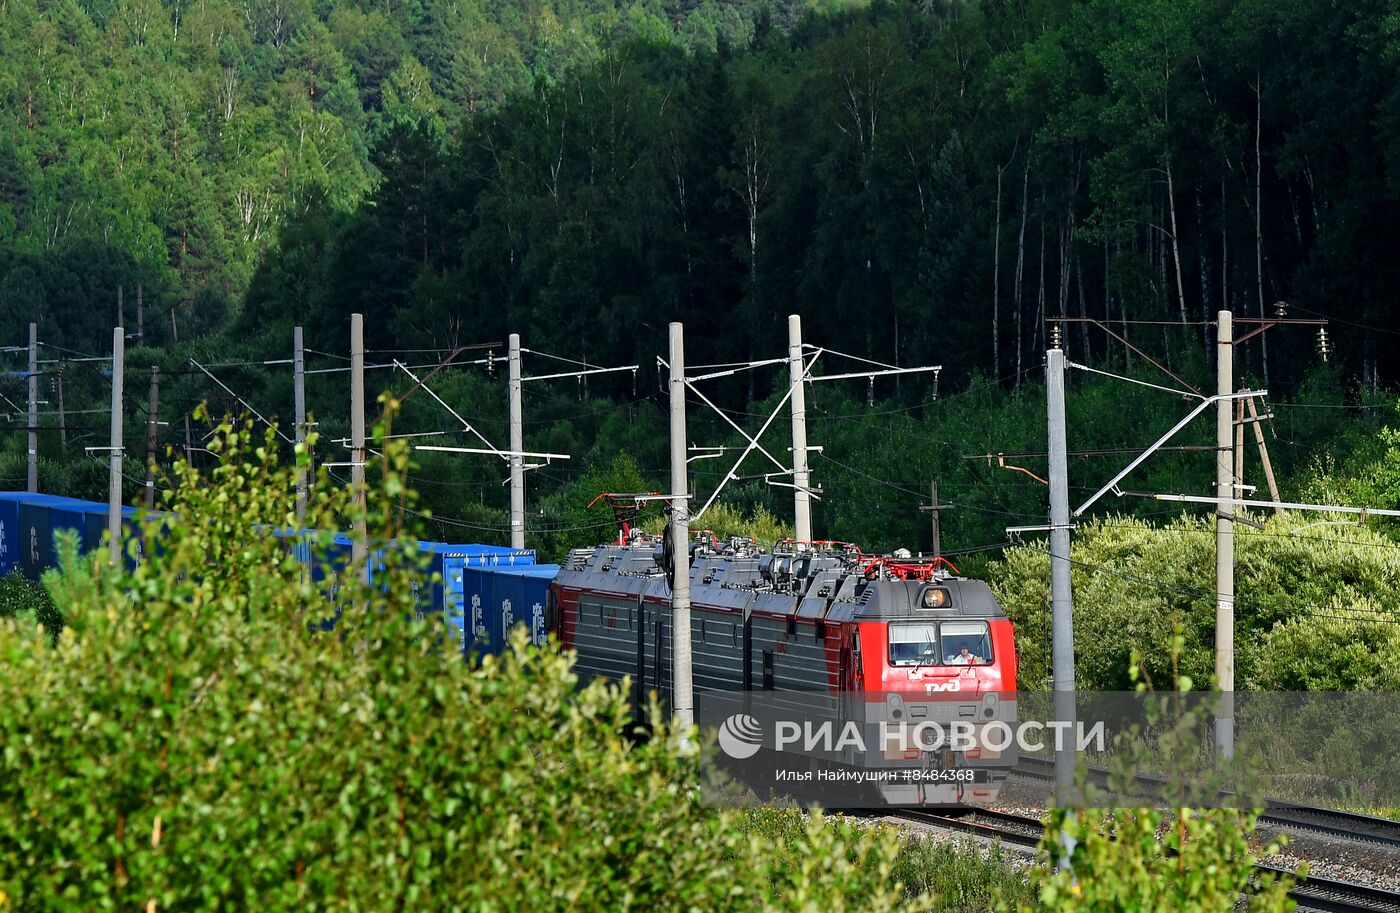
x=62, y=421
x=683, y=700
x=360, y=548
x=1224, y=536
x=299, y=397
x=517, y=444
x=114, y=465
x=152, y=427
x=33, y=474
x=801, y=476
x=1062, y=601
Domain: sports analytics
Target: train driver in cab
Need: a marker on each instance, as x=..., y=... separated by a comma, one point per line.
x=964, y=657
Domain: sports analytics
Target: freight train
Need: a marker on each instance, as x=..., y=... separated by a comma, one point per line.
x=897, y=637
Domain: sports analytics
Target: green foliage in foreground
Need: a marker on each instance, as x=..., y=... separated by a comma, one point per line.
x=1310, y=611
x=950, y=877
x=1150, y=861
x=1156, y=860
x=187, y=744
x=960, y=878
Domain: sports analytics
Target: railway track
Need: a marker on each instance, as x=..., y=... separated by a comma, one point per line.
x=1017, y=830
x=1313, y=895
x=1324, y=895
x=1340, y=825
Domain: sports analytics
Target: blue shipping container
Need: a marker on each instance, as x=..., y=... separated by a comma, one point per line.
x=485, y=590
x=521, y=596
x=28, y=523
x=457, y=567
x=12, y=546
x=443, y=561
x=36, y=532
x=427, y=594
x=96, y=531
x=73, y=518
x=9, y=531
x=89, y=520
x=327, y=554
x=493, y=600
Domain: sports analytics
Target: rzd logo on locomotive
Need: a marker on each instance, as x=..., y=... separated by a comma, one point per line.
x=951, y=684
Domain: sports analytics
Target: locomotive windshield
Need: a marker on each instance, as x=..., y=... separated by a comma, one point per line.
x=913, y=643
x=952, y=643
x=966, y=643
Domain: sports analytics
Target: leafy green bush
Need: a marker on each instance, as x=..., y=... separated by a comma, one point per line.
x=725, y=520
x=22, y=598
x=1357, y=649
x=188, y=744
x=1301, y=594
x=1363, y=467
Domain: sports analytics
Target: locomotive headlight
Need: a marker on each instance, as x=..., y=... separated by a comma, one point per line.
x=895, y=704
x=935, y=598
x=989, y=705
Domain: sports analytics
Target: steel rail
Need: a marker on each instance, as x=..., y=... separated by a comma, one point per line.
x=1352, y=826
x=1325, y=895
x=1004, y=826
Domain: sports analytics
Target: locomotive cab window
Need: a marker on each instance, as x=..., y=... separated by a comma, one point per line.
x=966, y=643
x=913, y=643
x=952, y=643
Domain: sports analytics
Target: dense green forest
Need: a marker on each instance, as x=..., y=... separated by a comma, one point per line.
x=924, y=182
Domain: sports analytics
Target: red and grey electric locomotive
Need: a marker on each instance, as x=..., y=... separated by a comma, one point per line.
x=904, y=636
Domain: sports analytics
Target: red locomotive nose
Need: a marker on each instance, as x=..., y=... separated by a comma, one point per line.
x=950, y=654
x=944, y=681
